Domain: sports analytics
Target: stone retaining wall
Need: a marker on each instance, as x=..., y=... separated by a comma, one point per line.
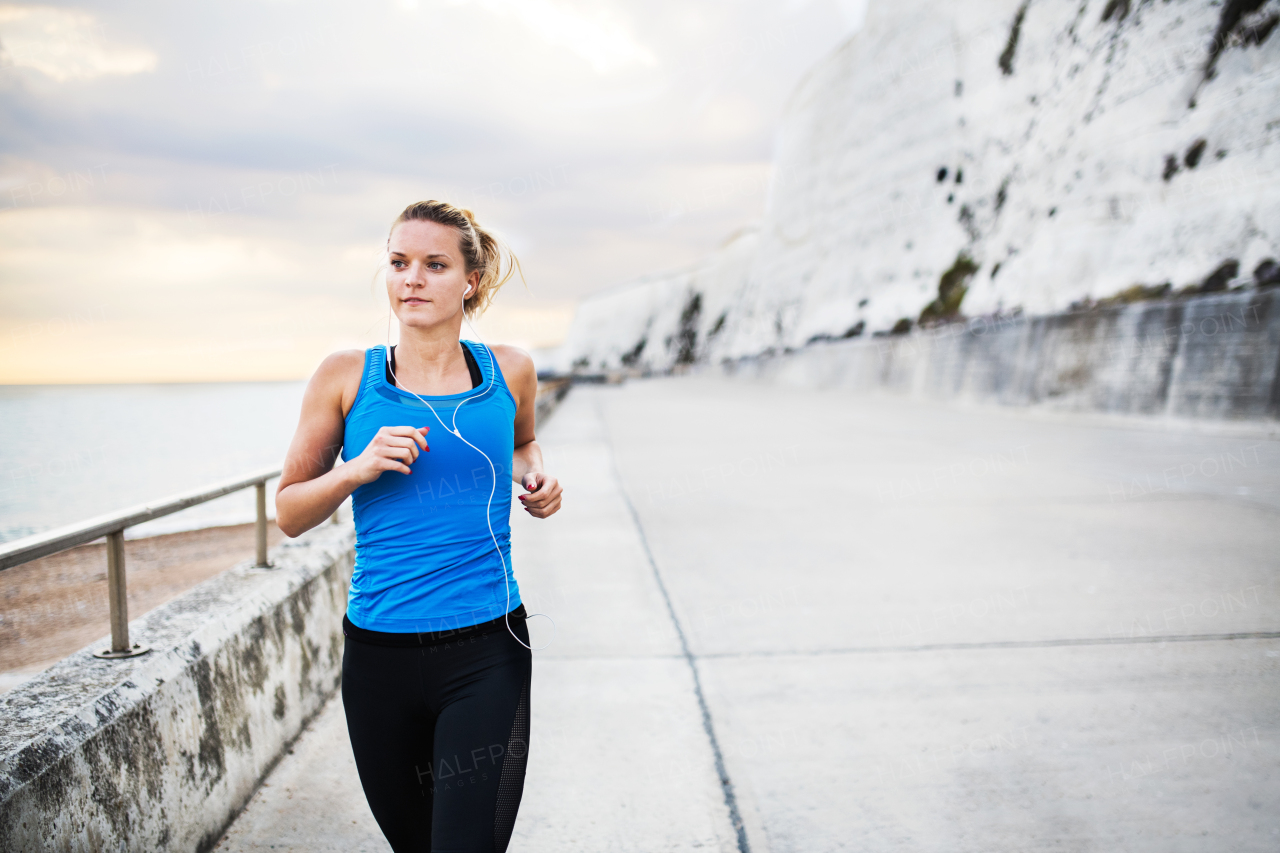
x=1207, y=357
x=160, y=752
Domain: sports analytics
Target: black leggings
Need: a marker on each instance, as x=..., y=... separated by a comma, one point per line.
x=439, y=725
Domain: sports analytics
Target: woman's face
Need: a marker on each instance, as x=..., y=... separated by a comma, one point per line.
x=427, y=276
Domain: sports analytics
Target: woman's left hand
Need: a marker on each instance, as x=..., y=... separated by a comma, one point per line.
x=544, y=497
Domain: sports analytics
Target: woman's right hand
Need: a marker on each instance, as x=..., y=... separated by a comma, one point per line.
x=392, y=449
x=311, y=488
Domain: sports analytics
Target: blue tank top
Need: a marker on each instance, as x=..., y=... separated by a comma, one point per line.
x=424, y=558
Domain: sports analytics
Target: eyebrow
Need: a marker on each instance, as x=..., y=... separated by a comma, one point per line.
x=435, y=255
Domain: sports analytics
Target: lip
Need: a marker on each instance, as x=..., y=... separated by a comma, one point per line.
x=413, y=300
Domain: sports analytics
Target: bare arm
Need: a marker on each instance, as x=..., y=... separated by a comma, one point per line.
x=544, y=490
x=310, y=487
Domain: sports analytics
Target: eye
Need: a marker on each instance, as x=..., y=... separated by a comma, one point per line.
x=435, y=265
x=397, y=264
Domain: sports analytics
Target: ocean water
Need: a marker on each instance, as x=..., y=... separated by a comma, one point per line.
x=70, y=452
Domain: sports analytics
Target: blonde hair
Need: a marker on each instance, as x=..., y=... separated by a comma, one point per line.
x=481, y=250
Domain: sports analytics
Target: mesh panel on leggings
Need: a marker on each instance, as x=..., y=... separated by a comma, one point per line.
x=511, y=784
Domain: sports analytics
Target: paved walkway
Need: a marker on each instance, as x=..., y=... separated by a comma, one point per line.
x=885, y=625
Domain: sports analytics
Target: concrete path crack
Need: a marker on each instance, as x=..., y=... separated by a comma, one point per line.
x=726, y=784
x=1007, y=644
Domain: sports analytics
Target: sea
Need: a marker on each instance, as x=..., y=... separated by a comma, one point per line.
x=72, y=452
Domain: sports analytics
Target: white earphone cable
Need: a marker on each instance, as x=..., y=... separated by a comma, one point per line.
x=488, y=517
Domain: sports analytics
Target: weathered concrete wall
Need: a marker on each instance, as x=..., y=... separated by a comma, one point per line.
x=1213, y=356
x=159, y=752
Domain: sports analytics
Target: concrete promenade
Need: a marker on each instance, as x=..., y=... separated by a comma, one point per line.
x=864, y=623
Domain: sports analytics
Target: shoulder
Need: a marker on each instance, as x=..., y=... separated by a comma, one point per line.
x=339, y=366
x=517, y=369
x=514, y=362
x=337, y=379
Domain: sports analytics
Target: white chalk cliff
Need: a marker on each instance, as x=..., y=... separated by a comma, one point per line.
x=1041, y=153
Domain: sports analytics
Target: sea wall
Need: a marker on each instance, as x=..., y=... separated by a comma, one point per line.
x=1209, y=357
x=970, y=158
x=159, y=752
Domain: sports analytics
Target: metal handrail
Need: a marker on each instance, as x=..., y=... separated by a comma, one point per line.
x=113, y=525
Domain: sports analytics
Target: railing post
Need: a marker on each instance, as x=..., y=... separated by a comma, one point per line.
x=118, y=602
x=112, y=527
x=261, y=489
x=117, y=592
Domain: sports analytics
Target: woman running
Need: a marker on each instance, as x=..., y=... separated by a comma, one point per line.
x=436, y=663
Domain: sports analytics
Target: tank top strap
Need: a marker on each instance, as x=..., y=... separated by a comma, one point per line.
x=375, y=360
x=486, y=362
x=375, y=365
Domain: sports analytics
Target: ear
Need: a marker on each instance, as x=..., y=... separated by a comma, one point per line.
x=473, y=283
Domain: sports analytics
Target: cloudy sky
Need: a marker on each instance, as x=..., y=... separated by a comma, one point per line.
x=198, y=191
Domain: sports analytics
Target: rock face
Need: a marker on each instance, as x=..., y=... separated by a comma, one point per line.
x=968, y=158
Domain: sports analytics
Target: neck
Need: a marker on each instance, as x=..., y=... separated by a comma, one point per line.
x=430, y=358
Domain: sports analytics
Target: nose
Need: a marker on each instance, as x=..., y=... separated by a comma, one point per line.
x=414, y=277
